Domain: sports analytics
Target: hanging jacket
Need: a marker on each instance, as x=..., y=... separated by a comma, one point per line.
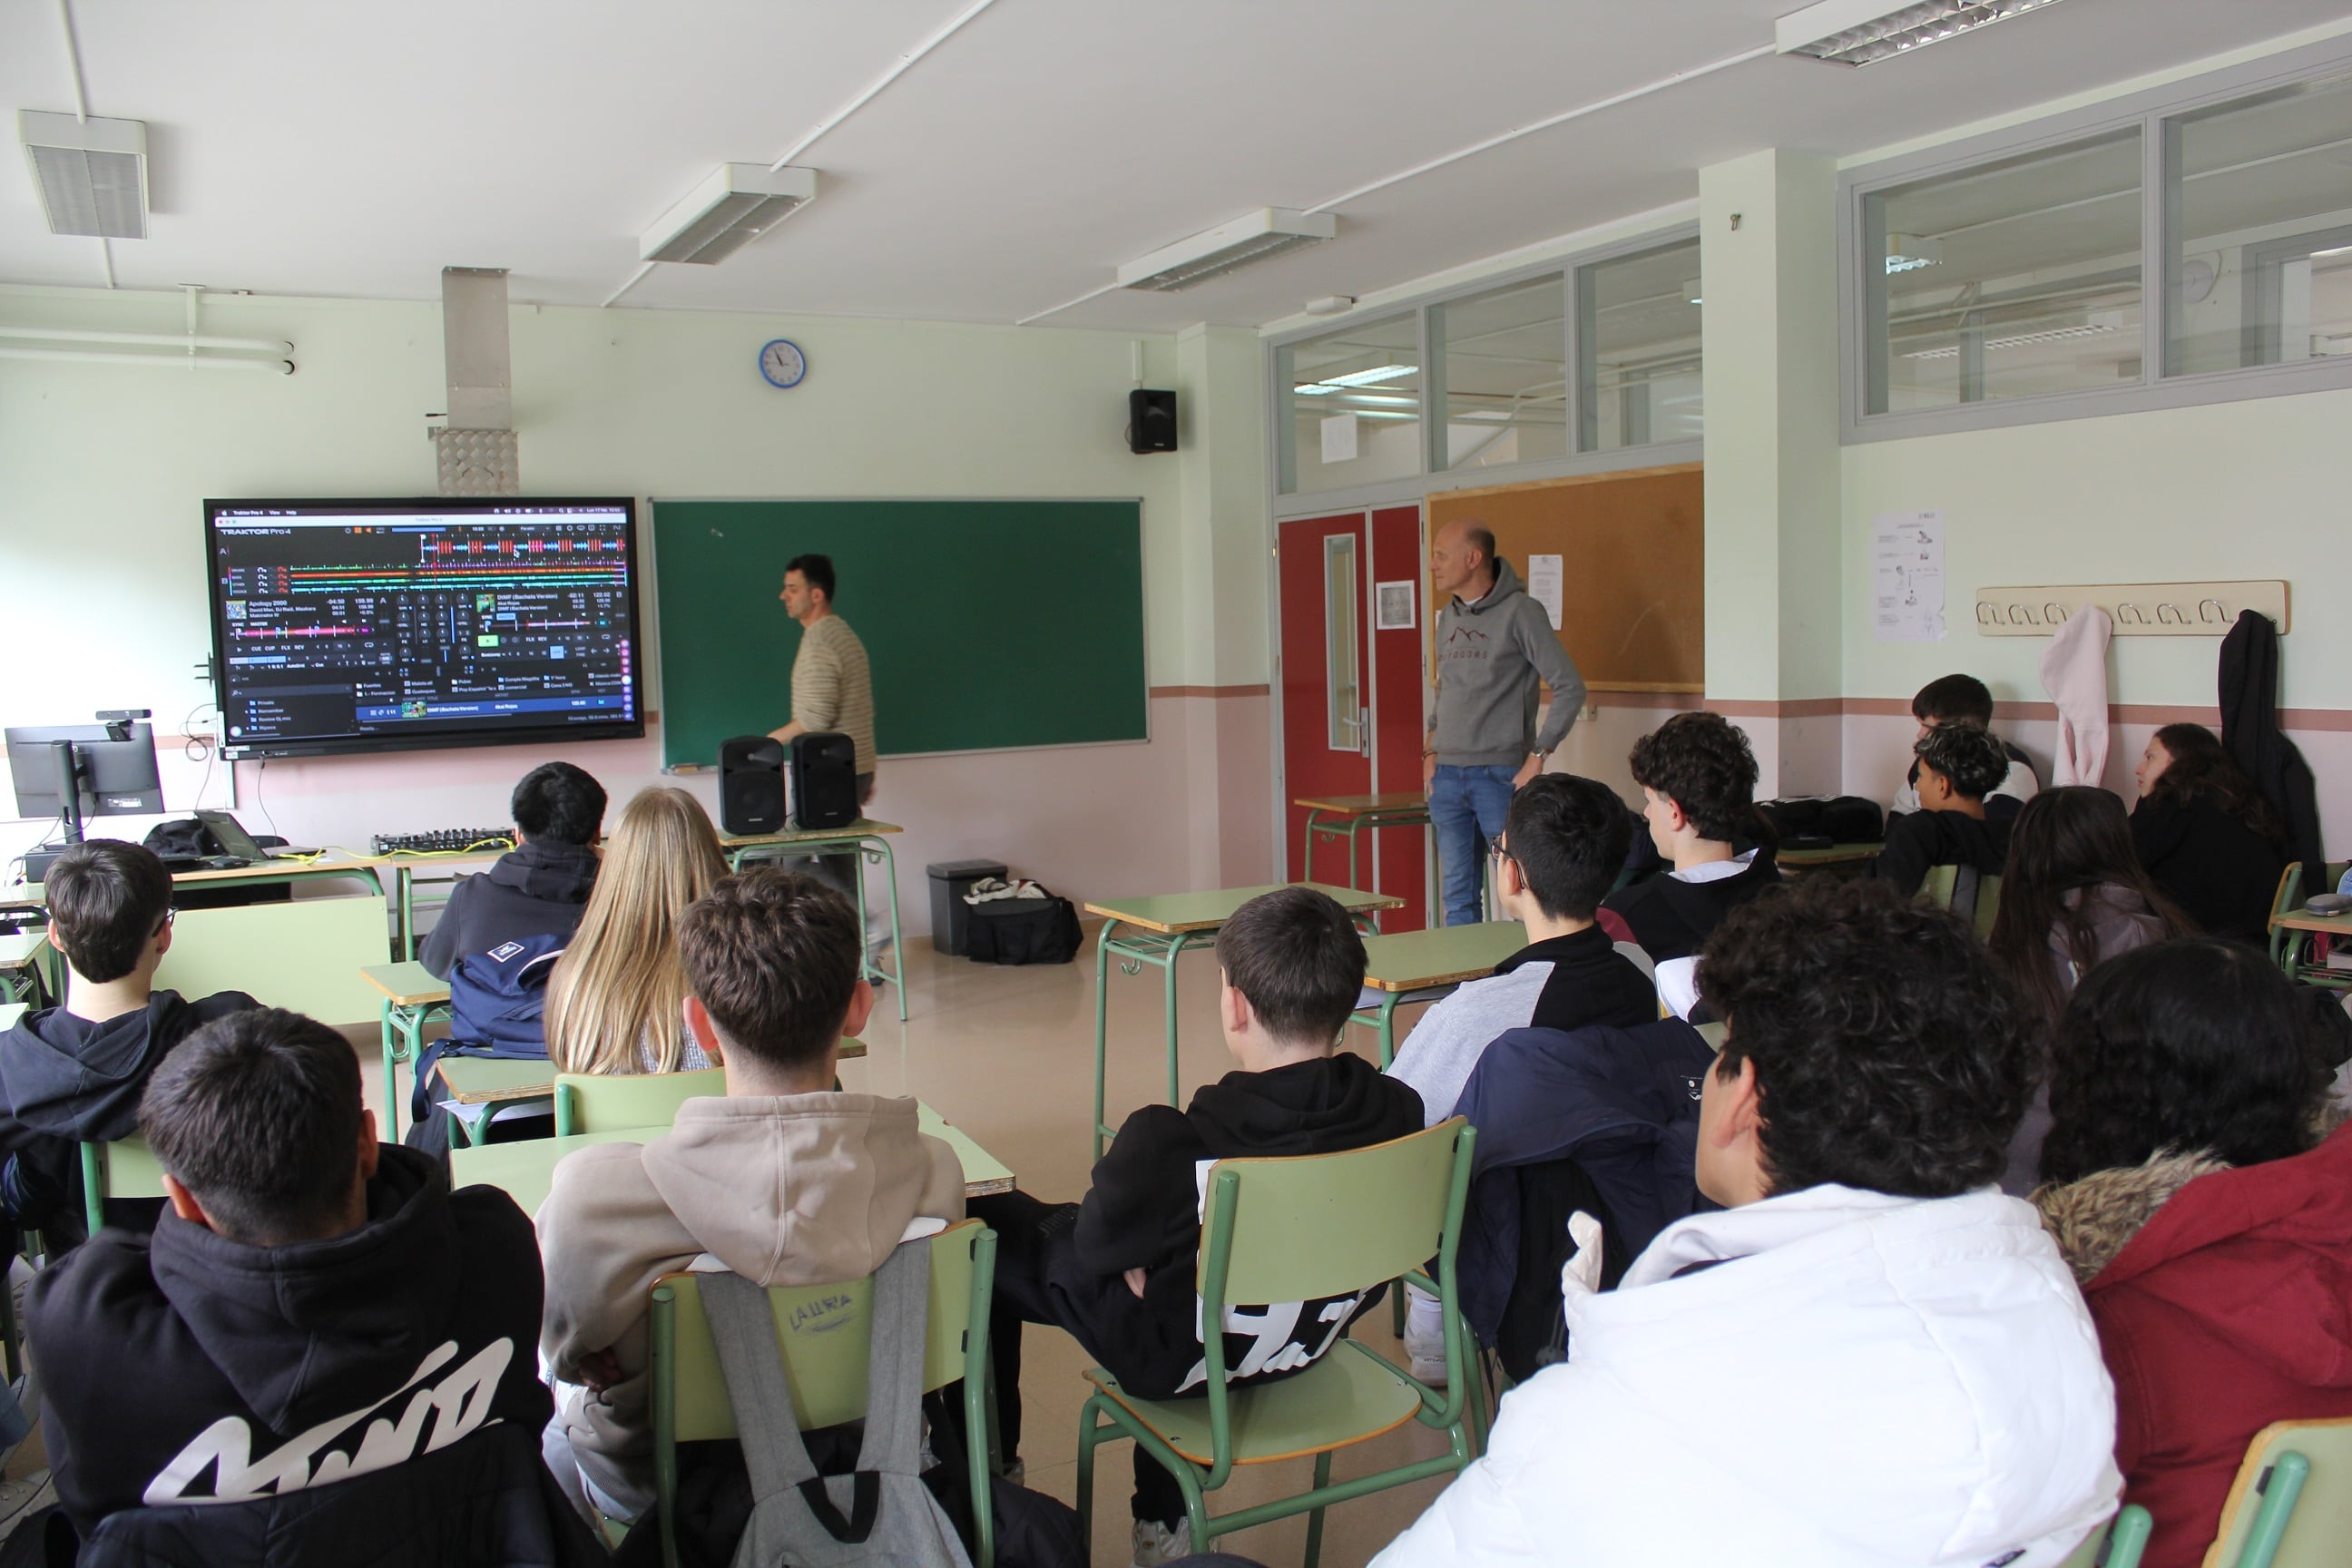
x=1832, y=1378
x=800, y=1189
x=2075, y=674
x=1622, y=1103
x=66, y=1081
x=185, y=1367
x=2223, y=1300
x=2250, y=734
x=539, y=890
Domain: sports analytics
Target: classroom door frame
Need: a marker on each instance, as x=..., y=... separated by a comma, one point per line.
x=1390, y=546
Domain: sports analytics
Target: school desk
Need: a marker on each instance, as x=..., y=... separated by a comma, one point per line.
x=1423, y=965
x=2299, y=918
x=412, y=998
x=1350, y=816
x=499, y=1081
x=525, y=1171
x=405, y=874
x=20, y=951
x=1835, y=855
x=1160, y=927
x=865, y=837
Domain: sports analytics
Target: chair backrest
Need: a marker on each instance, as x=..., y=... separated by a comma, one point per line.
x=2291, y=1506
x=1310, y=1225
x=304, y=954
x=824, y=1333
x=2285, y=901
x=1936, y=887
x=1714, y=1034
x=2121, y=1539
x=126, y=1169
x=606, y=1102
x=1987, y=904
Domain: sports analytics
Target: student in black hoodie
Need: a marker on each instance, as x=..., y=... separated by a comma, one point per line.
x=1117, y=1270
x=313, y=1309
x=73, y=1074
x=540, y=885
x=1959, y=764
x=1697, y=775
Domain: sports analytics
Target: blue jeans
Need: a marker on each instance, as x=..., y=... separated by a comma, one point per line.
x=1466, y=807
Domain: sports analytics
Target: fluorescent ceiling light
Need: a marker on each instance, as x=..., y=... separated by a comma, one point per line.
x=1910, y=252
x=92, y=174
x=2100, y=324
x=1366, y=377
x=2336, y=250
x=1213, y=252
x=1382, y=413
x=734, y=206
x=1858, y=32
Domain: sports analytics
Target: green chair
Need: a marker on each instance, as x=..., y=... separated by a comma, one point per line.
x=2287, y=945
x=604, y=1103
x=1941, y=886
x=2291, y=1506
x=2118, y=1545
x=125, y=1169
x=1299, y=1229
x=824, y=1333
x=304, y=954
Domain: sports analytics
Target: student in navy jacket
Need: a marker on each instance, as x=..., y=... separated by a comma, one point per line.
x=540, y=886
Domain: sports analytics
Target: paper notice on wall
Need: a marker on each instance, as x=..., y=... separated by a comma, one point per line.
x=1906, y=574
x=1339, y=438
x=1543, y=584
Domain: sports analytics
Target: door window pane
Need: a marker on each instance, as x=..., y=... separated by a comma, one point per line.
x=1354, y=400
x=1638, y=341
x=2261, y=230
x=1342, y=677
x=2010, y=280
x=1502, y=359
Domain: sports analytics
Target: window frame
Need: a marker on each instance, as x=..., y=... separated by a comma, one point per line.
x=2153, y=111
x=1435, y=479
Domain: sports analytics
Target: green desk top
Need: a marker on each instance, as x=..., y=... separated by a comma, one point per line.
x=1835, y=855
x=22, y=947
x=474, y=1080
x=10, y=1012
x=409, y=985
x=526, y=1171
x=863, y=828
x=1410, y=959
x=1173, y=912
x=1365, y=805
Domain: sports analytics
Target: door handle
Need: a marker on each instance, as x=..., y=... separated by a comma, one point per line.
x=1363, y=731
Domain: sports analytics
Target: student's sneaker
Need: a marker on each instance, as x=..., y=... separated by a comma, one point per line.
x=1424, y=1337
x=1155, y=1543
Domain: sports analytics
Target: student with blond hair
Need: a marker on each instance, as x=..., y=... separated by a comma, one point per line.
x=616, y=1001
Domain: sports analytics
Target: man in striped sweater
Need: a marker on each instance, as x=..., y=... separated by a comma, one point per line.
x=833, y=690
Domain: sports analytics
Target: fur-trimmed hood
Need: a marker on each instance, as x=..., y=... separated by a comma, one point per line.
x=2092, y=1218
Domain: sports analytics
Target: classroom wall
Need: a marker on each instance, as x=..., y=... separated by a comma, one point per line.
x=100, y=532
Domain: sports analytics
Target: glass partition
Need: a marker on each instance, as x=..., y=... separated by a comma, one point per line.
x=1353, y=403
x=1638, y=349
x=1501, y=359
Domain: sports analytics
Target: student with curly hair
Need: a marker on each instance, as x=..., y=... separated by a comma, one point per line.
x=2209, y=1223
x=1965, y=700
x=1866, y=1356
x=1959, y=764
x=1697, y=775
x=2206, y=835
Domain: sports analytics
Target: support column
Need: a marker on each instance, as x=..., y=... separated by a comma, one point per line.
x=1768, y=254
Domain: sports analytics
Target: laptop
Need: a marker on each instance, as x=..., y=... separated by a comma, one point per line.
x=236, y=843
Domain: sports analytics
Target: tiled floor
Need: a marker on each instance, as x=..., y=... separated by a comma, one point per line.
x=1008, y=1054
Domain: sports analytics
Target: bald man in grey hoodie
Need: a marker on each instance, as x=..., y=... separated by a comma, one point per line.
x=1494, y=642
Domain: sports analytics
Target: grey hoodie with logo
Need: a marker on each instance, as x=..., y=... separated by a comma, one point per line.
x=1489, y=655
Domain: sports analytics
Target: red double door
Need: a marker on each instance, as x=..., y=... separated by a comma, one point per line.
x=1354, y=591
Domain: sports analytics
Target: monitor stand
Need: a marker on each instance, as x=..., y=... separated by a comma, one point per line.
x=69, y=788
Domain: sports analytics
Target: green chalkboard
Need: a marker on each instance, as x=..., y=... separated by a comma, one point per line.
x=988, y=623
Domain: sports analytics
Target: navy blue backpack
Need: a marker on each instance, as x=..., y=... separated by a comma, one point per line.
x=498, y=1008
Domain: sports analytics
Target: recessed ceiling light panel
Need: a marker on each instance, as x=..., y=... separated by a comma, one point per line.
x=92, y=174
x=736, y=205
x=1213, y=253
x=1860, y=32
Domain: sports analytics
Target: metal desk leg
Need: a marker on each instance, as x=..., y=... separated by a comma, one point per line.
x=391, y=1077
x=1388, y=1027
x=1168, y=980
x=403, y=880
x=1307, y=863
x=878, y=851
x=1102, y=1022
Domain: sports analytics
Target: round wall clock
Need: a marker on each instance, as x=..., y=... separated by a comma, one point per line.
x=783, y=364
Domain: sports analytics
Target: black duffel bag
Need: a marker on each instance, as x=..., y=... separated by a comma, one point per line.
x=1022, y=931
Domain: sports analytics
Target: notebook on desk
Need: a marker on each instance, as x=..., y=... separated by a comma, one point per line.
x=234, y=841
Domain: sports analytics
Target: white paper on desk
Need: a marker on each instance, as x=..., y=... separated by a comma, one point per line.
x=1906, y=576
x=1544, y=584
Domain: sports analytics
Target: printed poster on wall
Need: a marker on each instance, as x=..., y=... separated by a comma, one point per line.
x=1544, y=582
x=1906, y=576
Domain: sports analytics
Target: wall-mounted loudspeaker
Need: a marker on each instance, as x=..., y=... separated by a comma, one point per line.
x=825, y=781
x=1150, y=420
x=750, y=785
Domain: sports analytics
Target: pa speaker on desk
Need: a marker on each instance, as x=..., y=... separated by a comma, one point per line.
x=750, y=785
x=825, y=781
x=1150, y=420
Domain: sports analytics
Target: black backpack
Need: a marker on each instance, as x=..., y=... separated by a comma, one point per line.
x=1022, y=931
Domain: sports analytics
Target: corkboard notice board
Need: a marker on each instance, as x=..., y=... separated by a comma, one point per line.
x=1633, y=571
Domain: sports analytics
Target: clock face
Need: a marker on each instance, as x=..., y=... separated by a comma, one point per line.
x=783, y=364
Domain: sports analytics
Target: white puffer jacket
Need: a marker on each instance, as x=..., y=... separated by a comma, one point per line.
x=1860, y=1381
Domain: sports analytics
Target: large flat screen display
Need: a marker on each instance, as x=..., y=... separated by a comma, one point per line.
x=390, y=624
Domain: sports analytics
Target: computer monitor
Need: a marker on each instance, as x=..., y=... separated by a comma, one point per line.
x=112, y=778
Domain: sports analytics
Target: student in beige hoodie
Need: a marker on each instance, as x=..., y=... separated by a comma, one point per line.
x=783, y=1181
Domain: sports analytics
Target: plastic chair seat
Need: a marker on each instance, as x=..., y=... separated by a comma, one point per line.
x=1336, y=1401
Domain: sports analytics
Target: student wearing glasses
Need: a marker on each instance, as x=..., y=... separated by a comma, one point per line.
x=73, y=1074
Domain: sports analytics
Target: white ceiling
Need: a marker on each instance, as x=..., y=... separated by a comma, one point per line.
x=328, y=147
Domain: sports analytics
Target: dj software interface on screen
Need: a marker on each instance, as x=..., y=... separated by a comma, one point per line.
x=377, y=624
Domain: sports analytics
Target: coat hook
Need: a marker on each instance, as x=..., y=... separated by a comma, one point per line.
x=2220, y=616
x=1988, y=615
x=2018, y=616
x=2057, y=613
x=2179, y=617
x=2130, y=614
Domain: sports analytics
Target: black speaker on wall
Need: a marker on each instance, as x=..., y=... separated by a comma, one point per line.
x=1150, y=420
x=750, y=785
x=825, y=781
